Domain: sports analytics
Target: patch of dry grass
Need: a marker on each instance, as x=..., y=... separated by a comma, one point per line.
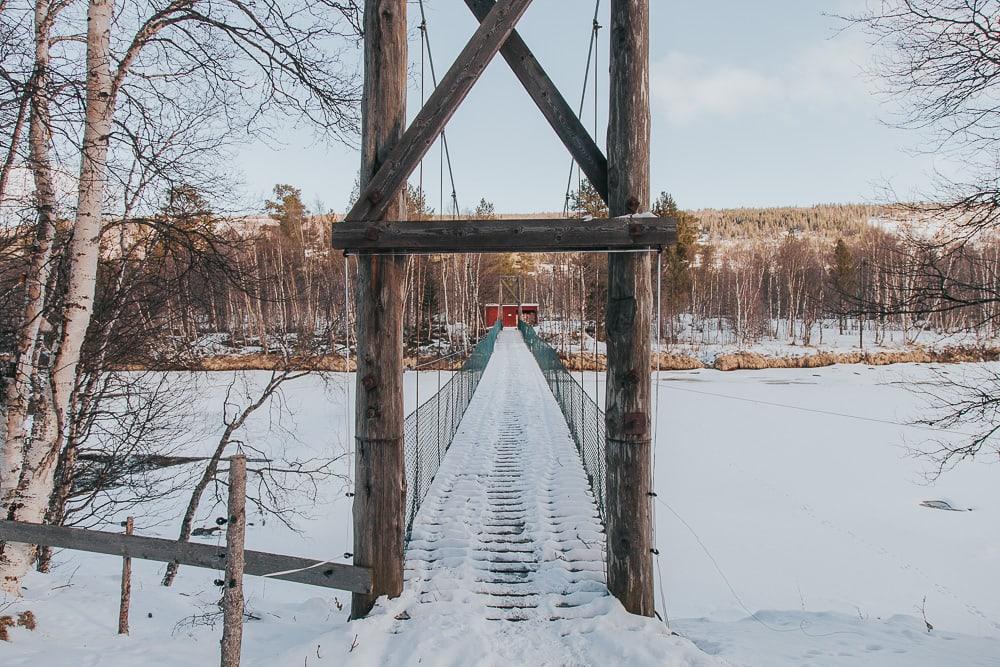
x=754, y=361
x=25, y=619
x=272, y=362
x=669, y=361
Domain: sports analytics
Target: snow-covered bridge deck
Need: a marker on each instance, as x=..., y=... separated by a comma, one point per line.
x=509, y=528
x=509, y=532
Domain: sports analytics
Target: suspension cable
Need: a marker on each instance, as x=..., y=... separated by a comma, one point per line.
x=423, y=42
x=426, y=41
x=597, y=53
x=348, y=441
x=426, y=55
x=656, y=430
x=591, y=58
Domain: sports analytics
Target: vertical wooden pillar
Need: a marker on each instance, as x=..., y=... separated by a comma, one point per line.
x=629, y=315
x=380, y=480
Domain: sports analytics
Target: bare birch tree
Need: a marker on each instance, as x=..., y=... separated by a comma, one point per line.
x=940, y=59
x=174, y=44
x=27, y=383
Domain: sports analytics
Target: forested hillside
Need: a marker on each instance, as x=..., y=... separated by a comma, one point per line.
x=191, y=284
x=823, y=220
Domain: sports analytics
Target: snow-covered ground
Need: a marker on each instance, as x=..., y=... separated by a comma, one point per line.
x=707, y=339
x=796, y=492
x=789, y=525
x=507, y=551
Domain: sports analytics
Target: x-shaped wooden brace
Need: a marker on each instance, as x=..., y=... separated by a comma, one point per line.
x=495, y=34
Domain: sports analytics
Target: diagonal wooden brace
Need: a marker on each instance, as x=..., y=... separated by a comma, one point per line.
x=551, y=103
x=494, y=30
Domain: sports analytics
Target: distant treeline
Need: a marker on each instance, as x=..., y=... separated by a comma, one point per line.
x=826, y=220
x=186, y=284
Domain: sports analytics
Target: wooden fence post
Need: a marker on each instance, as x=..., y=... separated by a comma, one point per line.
x=126, y=584
x=380, y=479
x=232, y=588
x=629, y=317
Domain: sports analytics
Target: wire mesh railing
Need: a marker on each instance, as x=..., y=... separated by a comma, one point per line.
x=583, y=416
x=429, y=430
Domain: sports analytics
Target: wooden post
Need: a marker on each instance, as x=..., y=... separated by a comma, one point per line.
x=379, y=471
x=126, y=584
x=629, y=315
x=232, y=588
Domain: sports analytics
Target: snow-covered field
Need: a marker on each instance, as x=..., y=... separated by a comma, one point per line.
x=708, y=339
x=795, y=493
x=789, y=526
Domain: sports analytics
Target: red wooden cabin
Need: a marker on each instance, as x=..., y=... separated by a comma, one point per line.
x=509, y=313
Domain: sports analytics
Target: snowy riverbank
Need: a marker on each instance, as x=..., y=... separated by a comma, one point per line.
x=788, y=491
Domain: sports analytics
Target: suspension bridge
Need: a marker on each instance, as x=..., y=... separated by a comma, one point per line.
x=397, y=459
x=507, y=519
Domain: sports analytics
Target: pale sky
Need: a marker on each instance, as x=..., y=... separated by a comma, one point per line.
x=753, y=104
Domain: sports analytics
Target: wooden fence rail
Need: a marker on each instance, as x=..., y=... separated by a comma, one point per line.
x=258, y=563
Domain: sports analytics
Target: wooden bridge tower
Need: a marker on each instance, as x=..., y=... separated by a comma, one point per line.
x=374, y=231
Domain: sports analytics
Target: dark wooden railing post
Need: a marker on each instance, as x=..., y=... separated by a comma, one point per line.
x=380, y=481
x=629, y=315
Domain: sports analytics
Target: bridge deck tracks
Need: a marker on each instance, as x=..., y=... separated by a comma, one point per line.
x=509, y=528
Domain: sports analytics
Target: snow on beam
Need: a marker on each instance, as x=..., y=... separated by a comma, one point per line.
x=487, y=236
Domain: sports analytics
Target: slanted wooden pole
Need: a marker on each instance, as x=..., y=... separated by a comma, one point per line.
x=551, y=103
x=629, y=314
x=232, y=588
x=126, y=599
x=379, y=472
x=395, y=166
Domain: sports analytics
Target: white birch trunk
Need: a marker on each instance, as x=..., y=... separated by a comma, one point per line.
x=37, y=478
x=19, y=390
x=444, y=290
x=15, y=142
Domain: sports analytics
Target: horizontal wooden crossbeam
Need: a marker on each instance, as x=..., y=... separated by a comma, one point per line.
x=551, y=103
x=489, y=236
x=258, y=563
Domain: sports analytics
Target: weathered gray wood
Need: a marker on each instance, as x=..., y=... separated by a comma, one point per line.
x=551, y=103
x=629, y=316
x=232, y=587
x=459, y=236
x=379, y=464
x=378, y=193
x=126, y=598
x=258, y=563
